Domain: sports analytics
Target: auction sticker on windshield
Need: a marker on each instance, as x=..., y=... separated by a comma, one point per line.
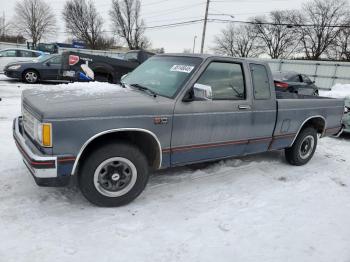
x=182, y=68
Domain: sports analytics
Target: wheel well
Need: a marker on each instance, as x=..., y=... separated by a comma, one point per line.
x=318, y=123
x=30, y=69
x=146, y=142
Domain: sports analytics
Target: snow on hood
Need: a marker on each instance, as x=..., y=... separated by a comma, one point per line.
x=76, y=89
x=338, y=91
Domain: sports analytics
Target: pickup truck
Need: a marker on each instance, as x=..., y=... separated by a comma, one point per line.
x=78, y=66
x=172, y=110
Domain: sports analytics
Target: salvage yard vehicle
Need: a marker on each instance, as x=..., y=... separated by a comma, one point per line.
x=17, y=54
x=85, y=67
x=294, y=82
x=346, y=118
x=172, y=110
x=41, y=69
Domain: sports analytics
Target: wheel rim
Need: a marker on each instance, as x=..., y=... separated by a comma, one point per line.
x=31, y=77
x=306, y=147
x=115, y=177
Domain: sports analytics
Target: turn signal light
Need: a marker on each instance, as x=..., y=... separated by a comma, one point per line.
x=47, y=141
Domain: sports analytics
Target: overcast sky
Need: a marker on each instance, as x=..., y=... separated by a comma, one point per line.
x=160, y=12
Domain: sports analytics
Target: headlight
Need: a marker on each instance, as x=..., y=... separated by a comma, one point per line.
x=43, y=133
x=14, y=67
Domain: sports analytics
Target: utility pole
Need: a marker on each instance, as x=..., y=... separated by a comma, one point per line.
x=194, y=43
x=205, y=25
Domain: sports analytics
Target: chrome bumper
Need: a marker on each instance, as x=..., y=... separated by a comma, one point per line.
x=46, y=170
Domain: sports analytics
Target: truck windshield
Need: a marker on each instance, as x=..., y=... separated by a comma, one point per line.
x=164, y=75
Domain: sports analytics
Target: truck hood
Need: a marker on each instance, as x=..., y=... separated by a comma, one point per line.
x=82, y=100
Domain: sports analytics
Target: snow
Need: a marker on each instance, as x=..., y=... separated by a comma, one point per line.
x=255, y=208
x=337, y=91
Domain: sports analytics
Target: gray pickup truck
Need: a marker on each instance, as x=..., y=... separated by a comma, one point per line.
x=172, y=110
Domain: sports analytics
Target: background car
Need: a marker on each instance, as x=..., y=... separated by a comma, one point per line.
x=11, y=55
x=41, y=69
x=294, y=82
x=346, y=117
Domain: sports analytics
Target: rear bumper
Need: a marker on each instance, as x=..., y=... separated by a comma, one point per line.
x=46, y=170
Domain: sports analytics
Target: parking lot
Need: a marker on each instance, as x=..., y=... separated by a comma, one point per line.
x=255, y=208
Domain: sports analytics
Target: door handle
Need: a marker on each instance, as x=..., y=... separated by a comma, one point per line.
x=244, y=107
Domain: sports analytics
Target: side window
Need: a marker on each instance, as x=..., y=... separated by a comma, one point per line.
x=225, y=79
x=294, y=78
x=9, y=53
x=261, y=82
x=306, y=79
x=55, y=60
x=36, y=54
x=24, y=53
x=131, y=56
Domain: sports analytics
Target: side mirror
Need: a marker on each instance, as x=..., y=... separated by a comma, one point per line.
x=199, y=92
x=48, y=63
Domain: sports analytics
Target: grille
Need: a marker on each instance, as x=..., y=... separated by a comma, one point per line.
x=28, y=123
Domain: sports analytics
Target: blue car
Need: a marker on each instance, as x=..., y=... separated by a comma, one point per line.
x=42, y=69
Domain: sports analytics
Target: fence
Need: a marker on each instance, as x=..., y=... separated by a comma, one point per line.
x=325, y=73
x=109, y=53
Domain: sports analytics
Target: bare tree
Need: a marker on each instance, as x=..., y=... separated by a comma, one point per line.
x=238, y=41
x=323, y=15
x=84, y=23
x=34, y=19
x=128, y=24
x=278, y=37
x=4, y=26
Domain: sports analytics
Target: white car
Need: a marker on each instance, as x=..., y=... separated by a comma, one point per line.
x=15, y=55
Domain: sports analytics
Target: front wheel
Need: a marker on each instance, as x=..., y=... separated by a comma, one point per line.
x=113, y=175
x=31, y=77
x=303, y=148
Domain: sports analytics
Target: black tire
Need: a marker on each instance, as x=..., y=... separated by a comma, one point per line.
x=96, y=192
x=34, y=79
x=303, y=148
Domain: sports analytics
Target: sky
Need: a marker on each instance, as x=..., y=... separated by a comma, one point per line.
x=160, y=12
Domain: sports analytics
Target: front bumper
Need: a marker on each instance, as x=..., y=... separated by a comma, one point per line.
x=13, y=74
x=46, y=170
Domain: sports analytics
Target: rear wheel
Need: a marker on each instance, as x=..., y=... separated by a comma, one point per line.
x=113, y=175
x=303, y=148
x=31, y=76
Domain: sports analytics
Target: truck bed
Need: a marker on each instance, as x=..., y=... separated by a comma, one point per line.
x=294, y=110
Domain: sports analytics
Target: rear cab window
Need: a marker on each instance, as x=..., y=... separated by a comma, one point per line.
x=261, y=83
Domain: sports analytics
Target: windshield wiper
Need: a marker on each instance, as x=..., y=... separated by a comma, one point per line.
x=144, y=88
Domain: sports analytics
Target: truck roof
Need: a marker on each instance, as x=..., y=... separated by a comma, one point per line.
x=205, y=56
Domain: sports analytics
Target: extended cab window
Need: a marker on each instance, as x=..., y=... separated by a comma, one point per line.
x=261, y=82
x=225, y=79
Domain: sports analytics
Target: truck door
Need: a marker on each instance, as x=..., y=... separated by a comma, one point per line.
x=217, y=128
x=264, y=109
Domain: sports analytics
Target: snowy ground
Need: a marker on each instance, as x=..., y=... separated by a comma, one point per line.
x=255, y=208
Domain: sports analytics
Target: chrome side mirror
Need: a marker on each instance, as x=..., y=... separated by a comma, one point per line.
x=202, y=92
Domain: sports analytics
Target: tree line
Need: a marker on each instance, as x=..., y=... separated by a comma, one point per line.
x=35, y=20
x=320, y=30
